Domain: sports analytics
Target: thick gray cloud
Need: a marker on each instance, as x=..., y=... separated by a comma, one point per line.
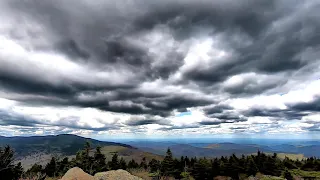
x=308, y=106
x=208, y=122
x=154, y=58
x=277, y=113
x=10, y=118
x=139, y=122
x=7, y=118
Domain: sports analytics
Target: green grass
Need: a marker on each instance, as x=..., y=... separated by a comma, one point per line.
x=267, y=177
x=128, y=154
x=271, y=178
x=107, y=150
x=301, y=173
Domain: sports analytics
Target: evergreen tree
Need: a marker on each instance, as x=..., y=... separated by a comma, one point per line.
x=154, y=165
x=83, y=159
x=202, y=170
x=192, y=161
x=99, y=161
x=123, y=164
x=251, y=167
x=167, y=167
x=51, y=168
x=114, y=163
x=308, y=164
x=36, y=168
x=63, y=166
x=234, y=168
x=143, y=163
x=271, y=167
x=177, y=169
x=133, y=164
x=288, y=163
x=7, y=168
x=222, y=168
x=215, y=168
x=17, y=171
x=187, y=160
x=182, y=164
x=288, y=175
x=87, y=159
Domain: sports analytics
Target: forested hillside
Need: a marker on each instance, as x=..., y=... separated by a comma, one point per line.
x=183, y=168
x=66, y=144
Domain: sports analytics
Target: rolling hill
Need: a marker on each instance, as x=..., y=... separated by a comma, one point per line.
x=129, y=153
x=223, y=149
x=63, y=144
x=40, y=149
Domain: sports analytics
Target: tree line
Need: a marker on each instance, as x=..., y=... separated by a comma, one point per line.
x=179, y=168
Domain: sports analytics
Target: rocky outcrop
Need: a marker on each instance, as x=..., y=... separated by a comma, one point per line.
x=78, y=174
x=116, y=175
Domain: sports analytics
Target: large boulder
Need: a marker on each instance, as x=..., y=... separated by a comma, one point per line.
x=115, y=175
x=76, y=174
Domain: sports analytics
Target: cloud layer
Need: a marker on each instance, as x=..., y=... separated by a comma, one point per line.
x=136, y=67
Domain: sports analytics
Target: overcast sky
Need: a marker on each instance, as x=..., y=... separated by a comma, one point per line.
x=161, y=68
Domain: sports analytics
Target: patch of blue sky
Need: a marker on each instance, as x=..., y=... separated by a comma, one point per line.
x=188, y=113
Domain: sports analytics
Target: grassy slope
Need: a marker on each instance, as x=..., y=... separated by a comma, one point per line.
x=291, y=156
x=301, y=173
x=63, y=144
x=271, y=178
x=129, y=153
x=124, y=152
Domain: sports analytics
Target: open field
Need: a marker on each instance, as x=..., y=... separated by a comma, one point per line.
x=309, y=174
x=128, y=153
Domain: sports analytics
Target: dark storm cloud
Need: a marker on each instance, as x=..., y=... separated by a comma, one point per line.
x=7, y=118
x=268, y=37
x=140, y=122
x=315, y=126
x=288, y=114
x=207, y=122
x=229, y=116
x=185, y=16
x=307, y=106
x=168, y=104
x=130, y=102
x=257, y=85
x=266, y=53
x=11, y=118
x=224, y=113
x=26, y=85
x=216, y=109
x=271, y=49
x=211, y=122
x=72, y=49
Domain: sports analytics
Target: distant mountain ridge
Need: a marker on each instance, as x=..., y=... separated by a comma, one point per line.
x=66, y=144
x=225, y=148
